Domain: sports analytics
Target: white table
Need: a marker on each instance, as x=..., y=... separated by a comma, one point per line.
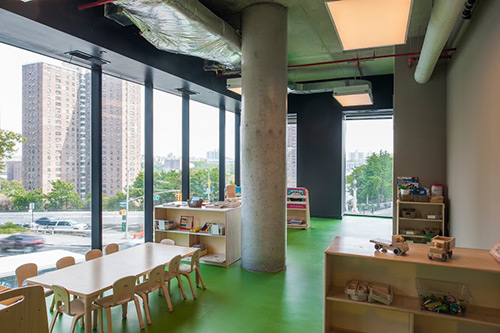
x=91, y=278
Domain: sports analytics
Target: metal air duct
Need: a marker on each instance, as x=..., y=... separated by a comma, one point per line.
x=443, y=18
x=185, y=27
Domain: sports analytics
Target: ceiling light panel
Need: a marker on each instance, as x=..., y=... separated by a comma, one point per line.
x=353, y=100
x=365, y=24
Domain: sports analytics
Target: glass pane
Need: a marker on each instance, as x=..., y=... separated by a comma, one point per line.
x=167, y=147
x=369, y=149
x=122, y=162
x=230, y=148
x=204, y=152
x=45, y=188
x=291, y=151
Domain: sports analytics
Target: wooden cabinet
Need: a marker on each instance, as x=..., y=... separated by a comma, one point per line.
x=427, y=221
x=223, y=250
x=297, y=208
x=351, y=258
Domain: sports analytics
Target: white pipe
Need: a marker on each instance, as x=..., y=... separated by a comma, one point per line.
x=443, y=17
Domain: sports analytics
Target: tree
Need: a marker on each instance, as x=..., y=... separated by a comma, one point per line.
x=9, y=187
x=22, y=198
x=204, y=180
x=63, y=196
x=8, y=141
x=113, y=203
x=374, y=179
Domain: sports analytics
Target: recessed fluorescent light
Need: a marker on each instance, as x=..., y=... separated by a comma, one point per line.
x=364, y=24
x=234, y=85
x=353, y=95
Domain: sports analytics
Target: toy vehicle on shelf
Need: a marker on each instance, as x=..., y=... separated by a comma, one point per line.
x=441, y=248
x=398, y=245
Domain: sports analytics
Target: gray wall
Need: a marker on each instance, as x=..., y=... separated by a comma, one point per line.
x=474, y=131
x=419, y=124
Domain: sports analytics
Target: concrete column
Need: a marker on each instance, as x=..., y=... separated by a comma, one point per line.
x=263, y=129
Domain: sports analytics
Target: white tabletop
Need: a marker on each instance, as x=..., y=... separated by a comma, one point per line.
x=95, y=276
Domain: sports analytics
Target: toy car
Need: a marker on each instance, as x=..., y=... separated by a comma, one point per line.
x=441, y=248
x=398, y=245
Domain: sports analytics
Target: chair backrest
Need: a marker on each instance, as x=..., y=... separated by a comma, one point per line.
x=195, y=259
x=111, y=248
x=167, y=241
x=123, y=290
x=93, y=254
x=61, y=297
x=28, y=314
x=24, y=272
x=173, y=266
x=156, y=275
x=65, y=262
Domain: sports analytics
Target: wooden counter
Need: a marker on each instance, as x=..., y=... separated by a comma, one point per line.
x=351, y=258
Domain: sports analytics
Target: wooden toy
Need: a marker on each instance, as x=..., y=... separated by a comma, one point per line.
x=441, y=248
x=363, y=291
x=380, y=292
x=357, y=290
x=398, y=245
x=495, y=251
x=186, y=222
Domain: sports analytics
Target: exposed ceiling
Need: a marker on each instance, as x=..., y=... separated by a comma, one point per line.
x=312, y=38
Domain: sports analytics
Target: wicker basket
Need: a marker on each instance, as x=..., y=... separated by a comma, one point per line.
x=414, y=198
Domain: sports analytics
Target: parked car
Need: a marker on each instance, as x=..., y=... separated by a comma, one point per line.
x=45, y=221
x=26, y=242
x=69, y=225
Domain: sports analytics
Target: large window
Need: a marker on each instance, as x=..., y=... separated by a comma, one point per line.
x=368, y=166
x=230, y=118
x=291, y=150
x=167, y=145
x=204, y=151
x=45, y=183
x=122, y=162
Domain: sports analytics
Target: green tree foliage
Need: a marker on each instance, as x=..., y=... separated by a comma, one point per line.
x=63, y=196
x=21, y=199
x=113, y=203
x=9, y=187
x=374, y=179
x=203, y=181
x=8, y=141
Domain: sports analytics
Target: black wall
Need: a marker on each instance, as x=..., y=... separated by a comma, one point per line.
x=320, y=148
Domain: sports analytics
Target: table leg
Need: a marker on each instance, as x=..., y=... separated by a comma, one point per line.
x=87, y=301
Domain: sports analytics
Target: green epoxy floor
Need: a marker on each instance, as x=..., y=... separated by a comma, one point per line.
x=239, y=301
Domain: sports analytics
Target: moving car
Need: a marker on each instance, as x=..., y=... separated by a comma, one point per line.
x=45, y=221
x=26, y=242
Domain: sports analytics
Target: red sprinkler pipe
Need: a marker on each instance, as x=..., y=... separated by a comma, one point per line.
x=355, y=60
x=94, y=4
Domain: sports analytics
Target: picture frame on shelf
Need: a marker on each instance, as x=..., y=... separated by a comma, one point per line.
x=186, y=222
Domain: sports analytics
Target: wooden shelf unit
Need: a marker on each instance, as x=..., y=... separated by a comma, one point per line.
x=298, y=209
x=228, y=245
x=419, y=222
x=351, y=258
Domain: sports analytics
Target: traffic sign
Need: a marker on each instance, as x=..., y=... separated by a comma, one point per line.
x=123, y=204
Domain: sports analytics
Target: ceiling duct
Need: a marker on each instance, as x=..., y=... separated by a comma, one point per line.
x=185, y=27
x=325, y=86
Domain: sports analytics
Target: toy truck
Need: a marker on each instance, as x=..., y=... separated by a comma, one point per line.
x=441, y=248
x=398, y=245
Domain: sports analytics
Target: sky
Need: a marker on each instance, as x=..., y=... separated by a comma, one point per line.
x=369, y=135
